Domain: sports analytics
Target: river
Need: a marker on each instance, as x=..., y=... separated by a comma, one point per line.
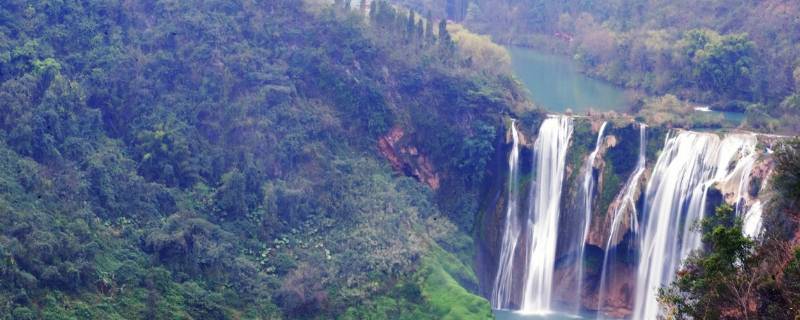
x=557, y=84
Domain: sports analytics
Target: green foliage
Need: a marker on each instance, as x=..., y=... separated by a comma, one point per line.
x=612, y=184
x=785, y=187
x=618, y=163
x=216, y=159
x=791, y=280
x=231, y=196
x=583, y=140
x=722, y=63
x=723, y=53
x=669, y=111
x=439, y=285
x=714, y=281
x=787, y=172
x=476, y=152
x=165, y=157
x=655, y=139
x=435, y=293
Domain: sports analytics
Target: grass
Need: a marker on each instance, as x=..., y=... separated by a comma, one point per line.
x=445, y=295
x=436, y=292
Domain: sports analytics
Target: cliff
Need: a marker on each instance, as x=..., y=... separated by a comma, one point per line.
x=605, y=257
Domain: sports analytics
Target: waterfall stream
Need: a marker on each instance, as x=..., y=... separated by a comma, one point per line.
x=542, y=225
x=627, y=203
x=536, y=236
x=676, y=195
x=752, y=220
x=588, y=192
x=501, y=293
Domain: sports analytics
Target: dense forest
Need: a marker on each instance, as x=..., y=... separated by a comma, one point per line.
x=731, y=55
x=219, y=159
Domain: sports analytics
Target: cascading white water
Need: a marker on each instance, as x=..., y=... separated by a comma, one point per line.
x=752, y=221
x=501, y=293
x=675, y=199
x=626, y=202
x=741, y=176
x=542, y=228
x=588, y=191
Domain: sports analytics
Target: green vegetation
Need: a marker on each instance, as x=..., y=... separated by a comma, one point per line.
x=735, y=277
x=714, y=283
x=655, y=138
x=723, y=53
x=787, y=175
x=618, y=163
x=581, y=144
x=612, y=184
x=669, y=111
x=433, y=292
x=219, y=159
x=441, y=274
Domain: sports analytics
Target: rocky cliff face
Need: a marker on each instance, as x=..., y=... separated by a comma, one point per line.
x=405, y=158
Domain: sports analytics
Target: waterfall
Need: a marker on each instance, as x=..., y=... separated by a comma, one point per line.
x=588, y=191
x=741, y=176
x=545, y=199
x=751, y=218
x=753, y=221
x=626, y=202
x=541, y=227
x=501, y=293
x=675, y=199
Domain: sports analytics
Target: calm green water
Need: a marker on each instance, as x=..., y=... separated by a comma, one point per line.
x=510, y=315
x=556, y=83
x=731, y=117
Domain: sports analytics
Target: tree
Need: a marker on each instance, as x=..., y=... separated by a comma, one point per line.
x=429, y=36
x=444, y=36
x=456, y=9
x=791, y=281
x=231, y=196
x=722, y=63
x=476, y=152
x=721, y=278
x=411, y=26
x=796, y=77
x=421, y=32
x=373, y=9
x=165, y=156
x=786, y=180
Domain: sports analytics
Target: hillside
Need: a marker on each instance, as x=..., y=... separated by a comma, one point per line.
x=730, y=55
x=239, y=159
x=343, y=159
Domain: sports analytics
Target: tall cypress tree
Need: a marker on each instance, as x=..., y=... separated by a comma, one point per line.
x=410, y=25
x=450, y=9
x=421, y=32
x=464, y=5
x=444, y=36
x=429, y=36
